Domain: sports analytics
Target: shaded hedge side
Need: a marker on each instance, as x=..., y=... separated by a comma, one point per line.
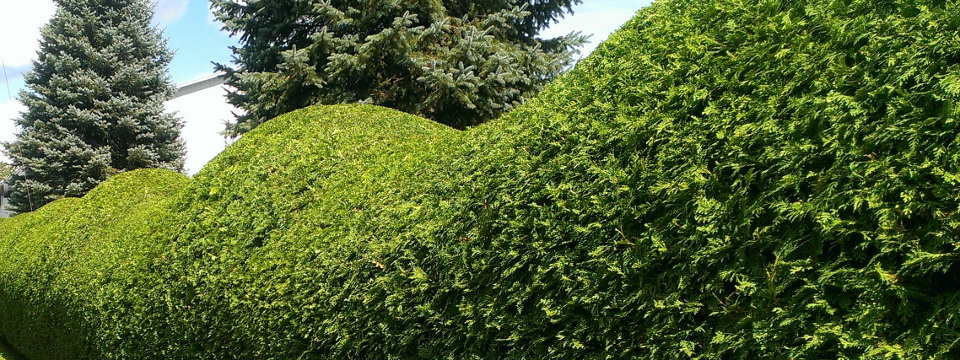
x=721, y=179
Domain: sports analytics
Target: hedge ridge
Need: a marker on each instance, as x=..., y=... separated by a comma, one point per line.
x=252, y=243
x=720, y=179
x=75, y=257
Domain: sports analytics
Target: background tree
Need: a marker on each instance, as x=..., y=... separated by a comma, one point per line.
x=458, y=62
x=94, y=102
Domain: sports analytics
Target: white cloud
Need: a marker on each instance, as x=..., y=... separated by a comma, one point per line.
x=169, y=11
x=20, y=23
x=204, y=113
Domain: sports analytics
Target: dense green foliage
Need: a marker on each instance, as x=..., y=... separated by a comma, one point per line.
x=5, y=171
x=459, y=62
x=94, y=102
x=719, y=180
x=78, y=257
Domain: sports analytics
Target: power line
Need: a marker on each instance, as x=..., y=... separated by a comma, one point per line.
x=10, y=98
x=6, y=80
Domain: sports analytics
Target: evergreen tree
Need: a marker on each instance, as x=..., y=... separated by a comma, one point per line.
x=458, y=62
x=94, y=102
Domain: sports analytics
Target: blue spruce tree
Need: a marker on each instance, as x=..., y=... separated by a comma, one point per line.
x=94, y=102
x=458, y=62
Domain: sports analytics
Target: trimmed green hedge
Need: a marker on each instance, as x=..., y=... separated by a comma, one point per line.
x=721, y=179
x=67, y=267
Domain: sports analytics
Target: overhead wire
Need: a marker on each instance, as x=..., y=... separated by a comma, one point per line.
x=6, y=81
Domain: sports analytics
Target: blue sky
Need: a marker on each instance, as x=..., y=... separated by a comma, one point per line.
x=197, y=40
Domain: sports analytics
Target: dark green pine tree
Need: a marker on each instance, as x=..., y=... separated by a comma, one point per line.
x=94, y=102
x=459, y=62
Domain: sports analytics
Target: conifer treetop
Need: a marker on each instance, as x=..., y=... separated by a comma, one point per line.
x=94, y=100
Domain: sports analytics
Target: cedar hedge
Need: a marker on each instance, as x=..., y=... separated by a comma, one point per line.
x=721, y=179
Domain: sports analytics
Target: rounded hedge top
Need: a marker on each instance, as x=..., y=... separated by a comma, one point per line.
x=720, y=179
